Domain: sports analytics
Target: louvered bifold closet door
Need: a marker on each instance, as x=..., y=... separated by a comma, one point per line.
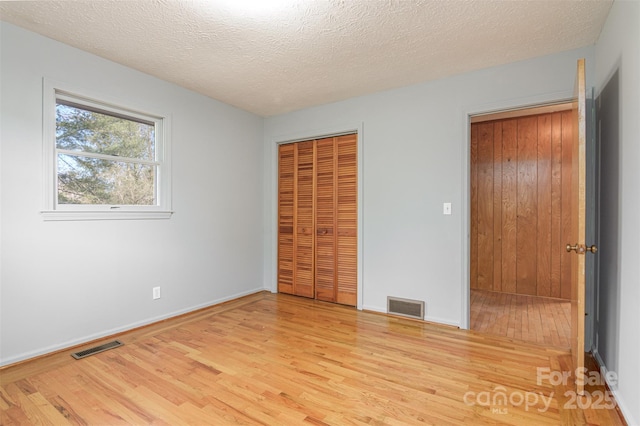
x=325, y=220
x=336, y=220
x=296, y=219
x=347, y=220
x=317, y=219
x=286, y=179
x=304, y=223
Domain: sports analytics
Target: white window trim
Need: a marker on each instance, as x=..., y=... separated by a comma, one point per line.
x=52, y=211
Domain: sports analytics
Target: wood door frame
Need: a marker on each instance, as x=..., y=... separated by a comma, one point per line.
x=274, y=143
x=470, y=111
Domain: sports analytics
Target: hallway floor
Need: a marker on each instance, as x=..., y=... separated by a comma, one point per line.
x=532, y=319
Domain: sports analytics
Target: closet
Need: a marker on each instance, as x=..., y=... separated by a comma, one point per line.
x=318, y=219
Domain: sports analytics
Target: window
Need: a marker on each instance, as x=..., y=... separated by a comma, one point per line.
x=103, y=161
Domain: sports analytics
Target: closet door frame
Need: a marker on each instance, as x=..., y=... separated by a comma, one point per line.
x=275, y=142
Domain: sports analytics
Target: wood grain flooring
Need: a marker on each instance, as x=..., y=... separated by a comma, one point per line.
x=541, y=320
x=283, y=360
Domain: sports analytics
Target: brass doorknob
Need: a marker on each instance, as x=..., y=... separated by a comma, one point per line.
x=579, y=248
x=572, y=247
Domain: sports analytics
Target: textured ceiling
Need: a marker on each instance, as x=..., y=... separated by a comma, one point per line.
x=301, y=53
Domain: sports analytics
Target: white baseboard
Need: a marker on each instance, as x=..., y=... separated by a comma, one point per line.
x=613, y=387
x=427, y=318
x=442, y=321
x=374, y=309
x=106, y=333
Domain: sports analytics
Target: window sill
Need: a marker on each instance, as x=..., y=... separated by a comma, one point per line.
x=52, y=215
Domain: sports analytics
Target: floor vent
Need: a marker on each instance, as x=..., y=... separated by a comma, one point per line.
x=97, y=349
x=405, y=307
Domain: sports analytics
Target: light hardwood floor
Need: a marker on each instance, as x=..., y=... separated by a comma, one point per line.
x=541, y=320
x=283, y=360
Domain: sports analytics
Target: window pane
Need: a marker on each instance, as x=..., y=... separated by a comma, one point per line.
x=86, y=130
x=86, y=180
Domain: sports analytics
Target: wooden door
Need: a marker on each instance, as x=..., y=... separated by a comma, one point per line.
x=347, y=220
x=304, y=220
x=326, y=178
x=337, y=220
x=286, y=214
x=317, y=219
x=521, y=204
x=577, y=246
x=296, y=219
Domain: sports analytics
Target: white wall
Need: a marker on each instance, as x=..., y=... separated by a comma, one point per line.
x=618, y=64
x=67, y=282
x=415, y=158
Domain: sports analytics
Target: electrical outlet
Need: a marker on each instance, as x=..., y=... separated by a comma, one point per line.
x=156, y=293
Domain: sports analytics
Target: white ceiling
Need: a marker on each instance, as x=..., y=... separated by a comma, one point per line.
x=301, y=53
